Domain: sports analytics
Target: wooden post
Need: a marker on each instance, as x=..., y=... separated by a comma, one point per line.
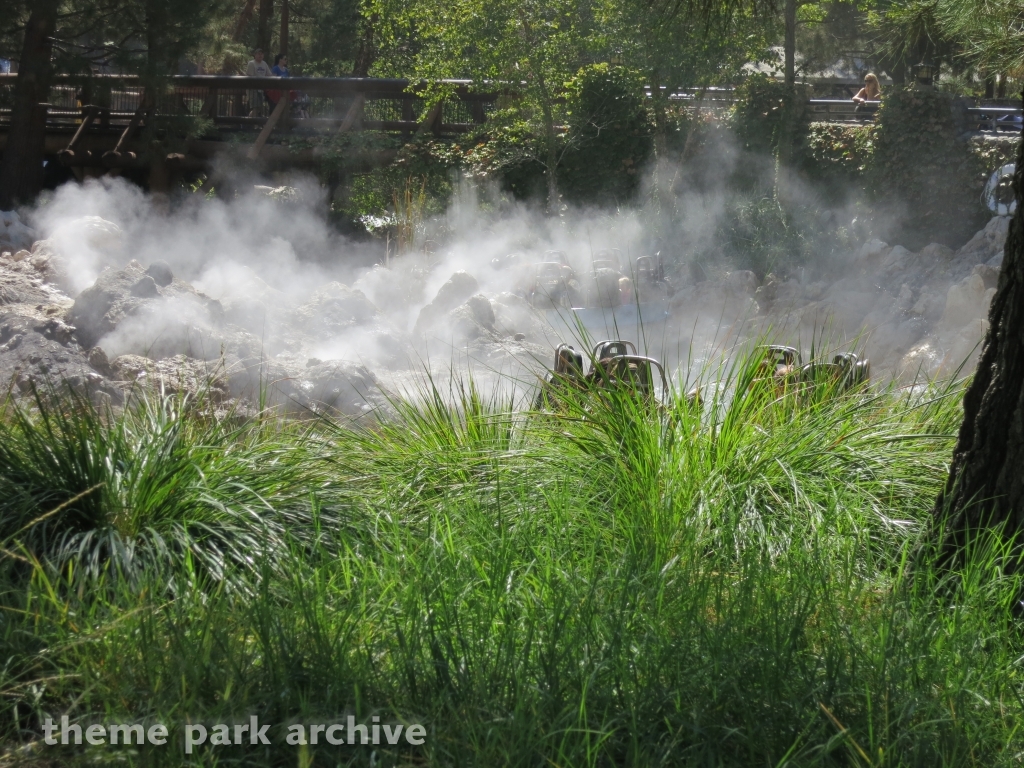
x=209, y=108
x=115, y=156
x=67, y=155
x=432, y=122
x=268, y=128
x=355, y=112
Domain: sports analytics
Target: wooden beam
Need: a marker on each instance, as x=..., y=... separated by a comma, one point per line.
x=115, y=156
x=355, y=111
x=67, y=155
x=282, y=105
x=209, y=108
x=432, y=120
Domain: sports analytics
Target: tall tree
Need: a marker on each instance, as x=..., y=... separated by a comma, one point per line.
x=263, y=30
x=531, y=46
x=677, y=44
x=986, y=482
x=21, y=169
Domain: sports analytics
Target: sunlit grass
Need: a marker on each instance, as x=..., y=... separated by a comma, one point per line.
x=742, y=583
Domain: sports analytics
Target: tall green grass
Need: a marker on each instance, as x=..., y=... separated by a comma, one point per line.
x=742, y=583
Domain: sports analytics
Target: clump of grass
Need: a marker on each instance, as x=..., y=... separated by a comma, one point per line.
x=610, y=584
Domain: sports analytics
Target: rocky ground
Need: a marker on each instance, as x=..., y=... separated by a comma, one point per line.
x=913, y=314
x=336, y=351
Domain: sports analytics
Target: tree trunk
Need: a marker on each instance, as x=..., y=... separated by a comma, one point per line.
x=986, y=484
x=243, y=19
x=660, y=121
x=790, y=44
x=284, y=28
x=551, y=151
x=21, y=170
x=263, y=28
x=367, y=52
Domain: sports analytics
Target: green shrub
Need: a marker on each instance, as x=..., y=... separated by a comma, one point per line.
x=758, y=117
x=922, y=169
x=835, y=152
x=507, y=151
x=610, y=136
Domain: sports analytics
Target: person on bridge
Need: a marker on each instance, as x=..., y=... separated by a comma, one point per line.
x=298, y=100
x=871, y=91
x=257, y=67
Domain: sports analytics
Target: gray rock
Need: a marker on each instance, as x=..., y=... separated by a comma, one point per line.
x=161, y=273
x=145, y=288
x=334, y=309
x=460, y=286
x=39, y=353
x=132, y=314
x=989, y=275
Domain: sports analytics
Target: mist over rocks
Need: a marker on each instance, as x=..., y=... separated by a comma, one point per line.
x=256, y=294
x=459, y=287
x=176, y=310
x=14, y=235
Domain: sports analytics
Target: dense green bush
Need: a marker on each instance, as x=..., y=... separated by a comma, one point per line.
x=507, y=152
x=610, y=137
x=834, y=152
x=763, y=105
x=922, y=170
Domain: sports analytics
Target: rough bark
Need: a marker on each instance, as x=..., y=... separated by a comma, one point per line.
x=284, y=28
x=551, y=148
x=263, y=27
x=790, y=43
x=21, y=170
x=366, y=54
x=986, y=482
x=243, y=20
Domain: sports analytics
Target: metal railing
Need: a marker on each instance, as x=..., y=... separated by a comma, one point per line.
x=842, y=110
x=997, y=119
x=240, y=103
x=235, y=103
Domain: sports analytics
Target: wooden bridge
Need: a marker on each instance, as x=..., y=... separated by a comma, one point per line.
x=94, y=124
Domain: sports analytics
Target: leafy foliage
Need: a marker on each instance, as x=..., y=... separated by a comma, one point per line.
x=761, y=109
x=610, y=135
x=835, y=152
x=921, y=166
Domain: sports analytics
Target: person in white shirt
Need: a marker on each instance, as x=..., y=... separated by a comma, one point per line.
x=257, y=67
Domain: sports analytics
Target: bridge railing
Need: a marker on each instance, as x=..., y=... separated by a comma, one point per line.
x=237, y=103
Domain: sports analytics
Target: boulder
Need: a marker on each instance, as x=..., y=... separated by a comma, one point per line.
x=989, y=275
x=966, y=301
x=172, y=376
x=334, y=309
x=936, y=252
x=331, y=387
x=929, y=306
x=898, y=258
x=77, y=250
x=40, y=353
x=127, y=312
x=742, y=282
x=455, y=292
x=161, y=273
x=14, y=235
x=871, y=250
x=473, y=320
